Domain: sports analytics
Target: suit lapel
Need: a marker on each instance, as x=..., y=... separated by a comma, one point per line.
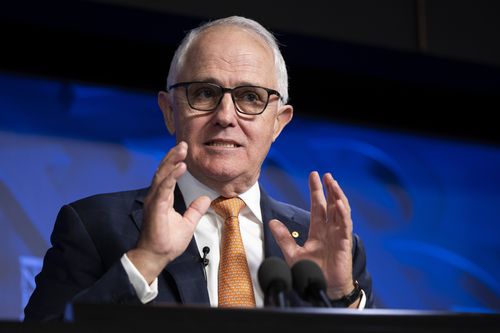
x=137, y=213
x=272, y=209
x=187, y=269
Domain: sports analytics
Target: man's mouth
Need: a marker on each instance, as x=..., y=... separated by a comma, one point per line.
x=222, y=143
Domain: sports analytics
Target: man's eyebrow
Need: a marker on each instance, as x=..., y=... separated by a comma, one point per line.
x=247, y=83
x=218, y=82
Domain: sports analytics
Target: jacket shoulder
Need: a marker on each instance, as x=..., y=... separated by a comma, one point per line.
x=290, y=210
x=110, y=201
x=272, y=208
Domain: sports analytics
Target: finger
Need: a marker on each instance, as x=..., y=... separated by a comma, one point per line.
x=318, y=205
x=339, y=215
x=337, y=191
x=179, y=148
x=344, y=219
x=176, y=155
x=331, y=198
x=340, y=231
x=316, y=189
x=285, y=241
x=166, y=188
x=196, y=210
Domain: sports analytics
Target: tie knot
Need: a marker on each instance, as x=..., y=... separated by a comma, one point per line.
x=227, y=207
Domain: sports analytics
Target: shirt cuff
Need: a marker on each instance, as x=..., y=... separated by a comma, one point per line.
x=362, y=302
x=145, y=292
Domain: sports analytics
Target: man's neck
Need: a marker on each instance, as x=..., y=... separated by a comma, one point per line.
x=227, y=189
x=191, y=188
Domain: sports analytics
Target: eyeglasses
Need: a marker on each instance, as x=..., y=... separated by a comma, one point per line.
x=205, y=96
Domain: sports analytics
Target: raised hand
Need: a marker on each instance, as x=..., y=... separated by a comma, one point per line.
x=329, y=242
x=165, y=233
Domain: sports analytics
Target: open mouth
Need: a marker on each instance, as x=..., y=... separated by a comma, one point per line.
x=222, y=143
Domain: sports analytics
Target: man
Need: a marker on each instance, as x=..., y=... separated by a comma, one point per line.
x=226, y=103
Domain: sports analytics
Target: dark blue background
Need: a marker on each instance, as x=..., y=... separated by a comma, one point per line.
x=426, y=208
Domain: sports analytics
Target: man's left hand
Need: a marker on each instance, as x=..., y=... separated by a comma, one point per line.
x=329, y=243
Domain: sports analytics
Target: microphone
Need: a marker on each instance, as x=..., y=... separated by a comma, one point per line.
x=275, y=280
x=310, y=283
x=204, y=260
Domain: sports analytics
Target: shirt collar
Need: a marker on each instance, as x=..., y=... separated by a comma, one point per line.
x=192, y=188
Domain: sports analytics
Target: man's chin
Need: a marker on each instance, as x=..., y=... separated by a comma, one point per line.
x=219, y=175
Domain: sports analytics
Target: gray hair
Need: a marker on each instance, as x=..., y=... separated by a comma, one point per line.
x=246, y=24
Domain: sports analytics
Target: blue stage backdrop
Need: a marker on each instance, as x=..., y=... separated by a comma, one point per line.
x=427, y=209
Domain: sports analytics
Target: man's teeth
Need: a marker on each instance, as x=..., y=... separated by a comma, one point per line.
x=222, y=144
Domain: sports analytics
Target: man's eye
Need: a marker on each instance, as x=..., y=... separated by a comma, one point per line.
x=249, y=96
x=204, y=93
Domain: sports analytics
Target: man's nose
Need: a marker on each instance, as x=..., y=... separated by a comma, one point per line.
x=226, y=112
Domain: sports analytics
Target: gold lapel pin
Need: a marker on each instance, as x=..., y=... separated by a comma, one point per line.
x=295, y=234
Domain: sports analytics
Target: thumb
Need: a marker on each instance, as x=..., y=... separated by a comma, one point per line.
x=197, y=209
x=285, y=241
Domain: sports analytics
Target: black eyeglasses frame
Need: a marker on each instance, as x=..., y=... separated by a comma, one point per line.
x=224, y=91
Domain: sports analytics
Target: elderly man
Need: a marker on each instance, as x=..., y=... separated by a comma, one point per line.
x=226, y=102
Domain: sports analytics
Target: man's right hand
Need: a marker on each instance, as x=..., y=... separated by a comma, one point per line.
x=165, y=233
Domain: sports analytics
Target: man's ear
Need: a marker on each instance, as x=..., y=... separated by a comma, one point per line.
x=167, y=110
x=283, y=117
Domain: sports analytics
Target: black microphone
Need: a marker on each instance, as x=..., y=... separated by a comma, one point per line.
x=310, y=283
x=275, y=280
x=204, y=260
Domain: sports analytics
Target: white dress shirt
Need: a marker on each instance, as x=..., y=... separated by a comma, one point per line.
x=209, y=233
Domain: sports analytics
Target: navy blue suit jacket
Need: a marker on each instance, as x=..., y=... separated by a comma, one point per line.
x=91, y=235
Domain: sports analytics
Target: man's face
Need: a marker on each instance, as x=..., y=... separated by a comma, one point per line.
x=226, y=148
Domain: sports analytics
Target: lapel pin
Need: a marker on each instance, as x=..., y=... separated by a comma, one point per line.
x=295, y=234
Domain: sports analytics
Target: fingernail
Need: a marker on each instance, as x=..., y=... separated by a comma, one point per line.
x=182, y=145
x=331, y=176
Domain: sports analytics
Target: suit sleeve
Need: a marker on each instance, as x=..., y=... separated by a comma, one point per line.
x=359, y=271
x=73, y=271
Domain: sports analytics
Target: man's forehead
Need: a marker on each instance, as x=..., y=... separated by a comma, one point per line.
x=233, y=36
x=227, y=50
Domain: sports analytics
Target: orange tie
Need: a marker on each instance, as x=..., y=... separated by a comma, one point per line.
x=235, y=282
